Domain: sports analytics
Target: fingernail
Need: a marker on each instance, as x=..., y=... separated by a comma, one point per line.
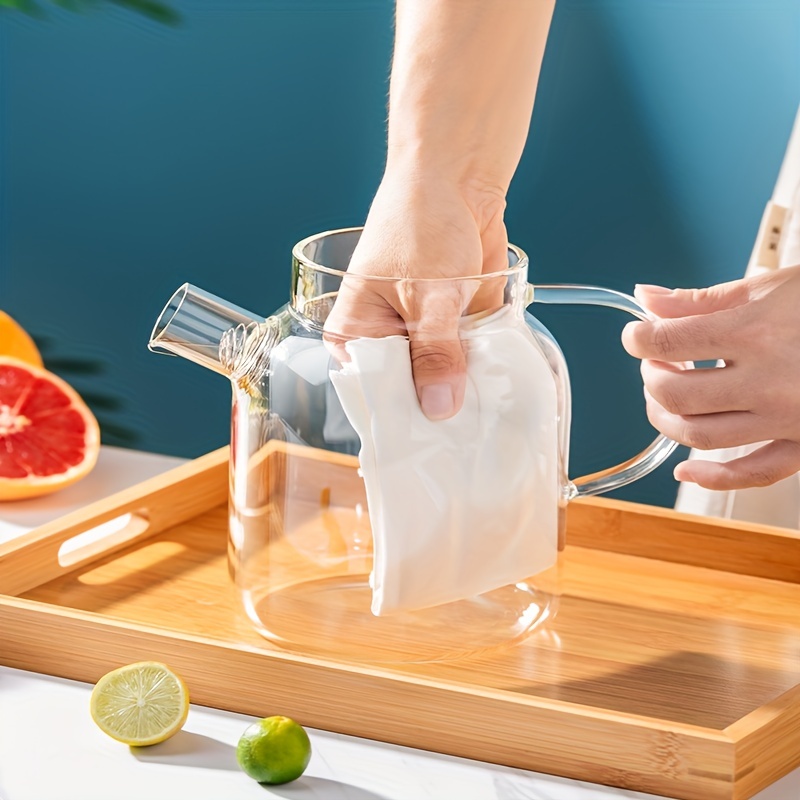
x=681, y=473
x=437, y=400
x=628, y=331
x=651, y=288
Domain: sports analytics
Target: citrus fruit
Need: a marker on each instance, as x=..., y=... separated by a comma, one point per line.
x=48, y=437
x=274, y=750
x=16, y=343
x=140, y=704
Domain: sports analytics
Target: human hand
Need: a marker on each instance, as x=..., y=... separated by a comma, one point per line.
x=409, y=275
x=752, y=325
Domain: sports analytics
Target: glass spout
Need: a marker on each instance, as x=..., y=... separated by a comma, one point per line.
x=193, y=324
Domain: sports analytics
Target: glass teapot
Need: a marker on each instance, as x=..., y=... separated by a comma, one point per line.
x=301, y=546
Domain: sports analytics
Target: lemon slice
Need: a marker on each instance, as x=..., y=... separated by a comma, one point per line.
x=140, y=704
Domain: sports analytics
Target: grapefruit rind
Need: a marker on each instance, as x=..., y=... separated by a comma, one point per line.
x=15, y=342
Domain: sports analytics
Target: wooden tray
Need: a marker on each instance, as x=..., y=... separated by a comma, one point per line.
x=672, y=666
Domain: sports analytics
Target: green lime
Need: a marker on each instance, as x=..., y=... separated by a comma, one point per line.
x=274, y=750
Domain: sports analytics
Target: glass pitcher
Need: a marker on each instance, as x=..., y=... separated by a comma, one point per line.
x=301, y=545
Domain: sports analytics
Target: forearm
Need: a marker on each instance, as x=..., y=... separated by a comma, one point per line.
x=464, y=77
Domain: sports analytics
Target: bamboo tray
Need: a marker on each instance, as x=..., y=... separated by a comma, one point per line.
x=672, y=666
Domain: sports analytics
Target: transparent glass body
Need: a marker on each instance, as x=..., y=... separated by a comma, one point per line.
x=301, y=545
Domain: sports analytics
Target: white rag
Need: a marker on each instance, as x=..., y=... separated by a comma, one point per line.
x=462, y=506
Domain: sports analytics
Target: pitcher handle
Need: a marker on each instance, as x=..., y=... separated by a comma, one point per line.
x=661, y=448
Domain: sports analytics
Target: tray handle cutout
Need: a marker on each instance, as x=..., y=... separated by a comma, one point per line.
x=103, y=537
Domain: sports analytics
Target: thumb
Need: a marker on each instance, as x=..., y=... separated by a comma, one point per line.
x=437, y=357
x=770, y=463
x=670, y=303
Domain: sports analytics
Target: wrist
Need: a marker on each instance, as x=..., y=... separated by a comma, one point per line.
x=431, y=182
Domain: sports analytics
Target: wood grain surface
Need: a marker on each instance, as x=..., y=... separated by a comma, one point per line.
x=672, y=665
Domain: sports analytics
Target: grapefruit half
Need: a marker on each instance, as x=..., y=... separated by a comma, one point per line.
x=48, y=437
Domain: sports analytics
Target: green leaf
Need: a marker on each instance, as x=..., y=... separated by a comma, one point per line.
x=70, y=5
x=160, y=12
x=153, y=9
x=28, y=7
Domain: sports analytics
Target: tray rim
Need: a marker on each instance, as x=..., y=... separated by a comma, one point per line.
x=377, y=671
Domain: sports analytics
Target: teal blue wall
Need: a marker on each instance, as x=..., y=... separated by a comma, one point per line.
x=135, y=157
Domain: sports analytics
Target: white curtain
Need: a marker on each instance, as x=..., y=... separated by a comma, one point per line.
x=777, y=245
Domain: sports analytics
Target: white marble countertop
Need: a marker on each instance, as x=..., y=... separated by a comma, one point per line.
x=51, y=750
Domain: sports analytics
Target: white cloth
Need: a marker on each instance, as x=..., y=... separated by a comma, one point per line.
x=462, y=506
